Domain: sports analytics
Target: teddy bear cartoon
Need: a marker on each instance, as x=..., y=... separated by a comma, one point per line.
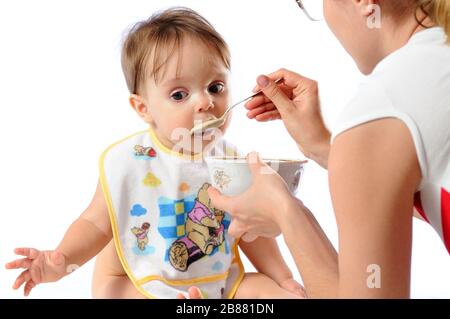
x=204, y=232
x=141, y=235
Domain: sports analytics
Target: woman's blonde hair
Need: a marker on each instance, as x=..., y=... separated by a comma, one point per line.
x=438, y=11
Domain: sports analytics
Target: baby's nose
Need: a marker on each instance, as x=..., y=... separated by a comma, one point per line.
x=204, y=104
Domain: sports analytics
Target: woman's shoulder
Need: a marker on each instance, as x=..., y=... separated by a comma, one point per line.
x=412, y=82
x=413, y=86
x=425, y=57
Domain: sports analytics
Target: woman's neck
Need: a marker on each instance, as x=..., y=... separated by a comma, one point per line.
x=403, y=30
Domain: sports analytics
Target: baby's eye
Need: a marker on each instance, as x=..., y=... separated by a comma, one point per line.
x=216, y=88
x=179, y=95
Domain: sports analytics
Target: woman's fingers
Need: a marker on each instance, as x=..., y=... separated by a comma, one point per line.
x=290, y=79
x=23, y=277
x=271, y=90
x=31, y=253
x=257, y=166
x=262, y=99
x=19, y=263
x=261, y=110
x=268, y=116
x=247, y=237
x=220, y=201
x=256, y=102
x=236, y=229
x=28, y=286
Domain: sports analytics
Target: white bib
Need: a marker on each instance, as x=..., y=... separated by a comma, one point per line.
x=167, y=235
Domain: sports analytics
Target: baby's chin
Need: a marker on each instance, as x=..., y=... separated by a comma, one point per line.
x=198, y=143
x=206, y=139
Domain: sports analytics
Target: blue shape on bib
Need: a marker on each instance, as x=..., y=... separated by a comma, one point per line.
x=217, y=266
x=143, y=157
x=147, y=251
x=138, y=210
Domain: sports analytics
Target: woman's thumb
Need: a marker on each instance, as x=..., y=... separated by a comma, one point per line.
x=273, y=92
x=257, y=166
x=218, y=200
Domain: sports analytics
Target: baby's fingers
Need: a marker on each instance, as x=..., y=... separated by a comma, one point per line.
x=19, y=263
x=181, y=296
x=23, y=277
x=28, y=286
x=193, y=293
x=31, y=253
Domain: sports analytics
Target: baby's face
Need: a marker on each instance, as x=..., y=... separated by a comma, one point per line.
x=192, y=87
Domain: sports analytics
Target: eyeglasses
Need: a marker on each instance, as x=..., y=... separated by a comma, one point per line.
x=313, y=9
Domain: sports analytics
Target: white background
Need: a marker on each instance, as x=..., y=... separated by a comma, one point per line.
x=63, y=99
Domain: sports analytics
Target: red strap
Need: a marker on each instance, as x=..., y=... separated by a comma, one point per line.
x=418, y=206
x=445, y=216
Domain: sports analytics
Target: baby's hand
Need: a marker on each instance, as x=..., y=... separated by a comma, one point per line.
x=40, y=267
x=293, y=286
x=194, y=293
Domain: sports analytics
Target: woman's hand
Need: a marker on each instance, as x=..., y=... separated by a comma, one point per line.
x=296, y=102
x=259, y=210
x=40, y=267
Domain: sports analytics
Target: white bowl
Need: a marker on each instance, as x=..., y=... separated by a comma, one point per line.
x=232, y=175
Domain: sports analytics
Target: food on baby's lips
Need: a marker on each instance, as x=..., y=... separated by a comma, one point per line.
x=206, y=126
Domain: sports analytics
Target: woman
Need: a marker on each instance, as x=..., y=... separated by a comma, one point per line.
x=389, y=152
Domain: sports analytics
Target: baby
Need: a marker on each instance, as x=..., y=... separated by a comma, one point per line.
x=151, y=218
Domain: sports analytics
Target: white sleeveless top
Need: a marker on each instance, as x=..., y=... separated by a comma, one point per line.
x=413, y=85
x=167, y=234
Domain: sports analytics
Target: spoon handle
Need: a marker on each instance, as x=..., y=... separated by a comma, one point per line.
x=248, y=98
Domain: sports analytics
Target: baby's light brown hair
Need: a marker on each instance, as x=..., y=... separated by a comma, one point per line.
x=161, y=36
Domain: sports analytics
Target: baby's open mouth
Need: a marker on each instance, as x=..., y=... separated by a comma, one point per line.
x=209, y=118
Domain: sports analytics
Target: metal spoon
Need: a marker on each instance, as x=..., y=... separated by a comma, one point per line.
x=214, y=123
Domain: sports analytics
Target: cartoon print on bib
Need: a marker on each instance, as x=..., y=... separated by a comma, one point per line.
x=137, y=210
x=172, y=219
x=204, y=231
x=151, y=180
x=165, y=231
x=141, y=235
x=184, y=187
x=145, y=153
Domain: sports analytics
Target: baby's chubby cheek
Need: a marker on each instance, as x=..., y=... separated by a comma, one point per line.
x=177, y=128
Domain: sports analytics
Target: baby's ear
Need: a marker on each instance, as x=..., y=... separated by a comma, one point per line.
x=141, y=108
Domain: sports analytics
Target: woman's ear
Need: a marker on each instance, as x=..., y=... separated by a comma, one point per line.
x=140, y=106
x=366, y=7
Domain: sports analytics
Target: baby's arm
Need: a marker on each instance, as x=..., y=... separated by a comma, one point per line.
x=89, y=234
x=265, y=255
x=84, y=239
